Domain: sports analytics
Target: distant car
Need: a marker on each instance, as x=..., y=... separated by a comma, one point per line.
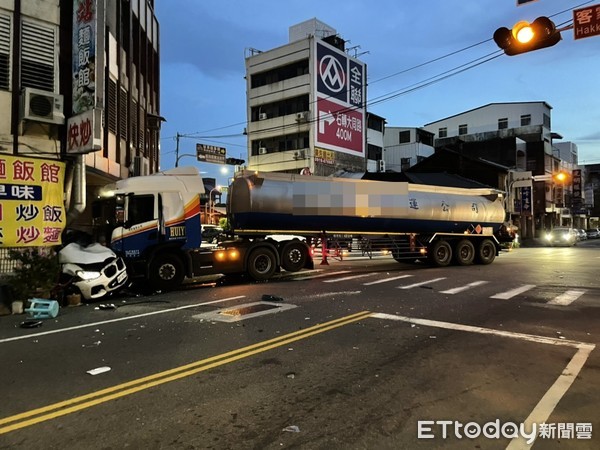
x=211, y=234
x=562, y=236
x=592, y=233
x=581, y=234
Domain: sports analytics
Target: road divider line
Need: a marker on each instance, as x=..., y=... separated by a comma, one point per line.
x=52, y=411
x=481, y=330
x=513, y=292
x=567, y=298
x=119, y=319
x=544, y=408
x=542, y=411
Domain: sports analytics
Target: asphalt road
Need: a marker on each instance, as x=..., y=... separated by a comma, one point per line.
x=357, y=354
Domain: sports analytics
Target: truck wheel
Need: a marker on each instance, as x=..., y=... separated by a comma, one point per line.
x=293, y=256
x=261, y=264
x=464, y=252
x=166, y=272
x=440, y=253
x=486, y=252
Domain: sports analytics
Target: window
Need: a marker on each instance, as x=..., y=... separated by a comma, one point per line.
x=503, y=123
x=462, y=129
x=443, y=132
x=547, y=121
x=525, y=120
x=424, y=137
x=38, y=56
x=4, y=52
x=141, y=209
x=404, y=137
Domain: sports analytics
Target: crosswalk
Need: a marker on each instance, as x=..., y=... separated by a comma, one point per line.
x=404, y=282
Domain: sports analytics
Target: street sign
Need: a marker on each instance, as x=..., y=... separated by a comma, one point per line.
x=211, y=153
x=586, y=22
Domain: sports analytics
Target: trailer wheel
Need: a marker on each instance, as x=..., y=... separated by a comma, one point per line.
x=440, y=253
x=293, y=256
x=464, y=252
x=486, y=252
x=261, y=263
x=166, y=272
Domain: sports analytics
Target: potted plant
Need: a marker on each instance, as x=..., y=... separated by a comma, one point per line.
x=35, y=275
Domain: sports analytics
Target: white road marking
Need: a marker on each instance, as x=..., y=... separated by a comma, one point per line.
x=410, y=286
x=319, y=276
x=464, y=288
x=120, y=319
x=567, y=298
x=385, y=280
x=510, y=294
x=361, y=275
x=542, y=411
x=548, y=402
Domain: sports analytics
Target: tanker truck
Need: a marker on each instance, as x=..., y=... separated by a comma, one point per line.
x=154, y=222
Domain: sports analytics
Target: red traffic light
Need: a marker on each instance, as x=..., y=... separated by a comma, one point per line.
x=525, y=37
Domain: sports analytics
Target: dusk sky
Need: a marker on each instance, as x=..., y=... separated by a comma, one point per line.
x=203, y=47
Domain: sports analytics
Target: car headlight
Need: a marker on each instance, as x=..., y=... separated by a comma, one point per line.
x=548, y=236
x=87, y=275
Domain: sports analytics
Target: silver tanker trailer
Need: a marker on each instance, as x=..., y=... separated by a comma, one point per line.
x=444, y=224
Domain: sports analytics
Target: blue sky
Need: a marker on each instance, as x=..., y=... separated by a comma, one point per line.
x=203, y=43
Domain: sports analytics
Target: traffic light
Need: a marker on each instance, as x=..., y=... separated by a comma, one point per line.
x=234, y=161
x=525, y=37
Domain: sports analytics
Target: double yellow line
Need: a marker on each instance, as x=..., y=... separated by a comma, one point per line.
x=63, y=408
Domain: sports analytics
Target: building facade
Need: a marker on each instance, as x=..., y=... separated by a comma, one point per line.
x=405, y=147
x=79, y=83
x=306, y=104
x=518, y=136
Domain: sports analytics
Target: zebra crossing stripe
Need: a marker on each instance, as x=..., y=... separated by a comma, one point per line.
x=567, y=298
x=464, y=288
x=326, y=274
x=410, y=286
x=510, y=294
x=351, y=277
x=385, y=280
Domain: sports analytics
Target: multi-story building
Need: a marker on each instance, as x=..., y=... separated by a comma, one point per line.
x=405, y=147
x=518, y=136
x=306, y=104
x=79, y=84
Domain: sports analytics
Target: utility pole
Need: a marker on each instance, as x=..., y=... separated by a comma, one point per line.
x=177, y=149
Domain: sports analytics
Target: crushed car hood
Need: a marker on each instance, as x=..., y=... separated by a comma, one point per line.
x=78, y=254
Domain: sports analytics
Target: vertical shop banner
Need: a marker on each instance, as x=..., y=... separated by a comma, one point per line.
x=84, y=127
x=32, y=212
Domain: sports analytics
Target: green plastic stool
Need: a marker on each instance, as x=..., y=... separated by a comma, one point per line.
x=40, y=308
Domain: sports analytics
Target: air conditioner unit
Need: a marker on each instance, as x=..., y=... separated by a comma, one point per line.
x=141, y=166
x=42, y=106
x=302, y=116
x=301, y=154
x=262, y=116
x=262, y=150
x=381, y=165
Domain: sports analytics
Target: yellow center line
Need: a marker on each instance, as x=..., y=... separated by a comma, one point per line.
x=121, y=390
